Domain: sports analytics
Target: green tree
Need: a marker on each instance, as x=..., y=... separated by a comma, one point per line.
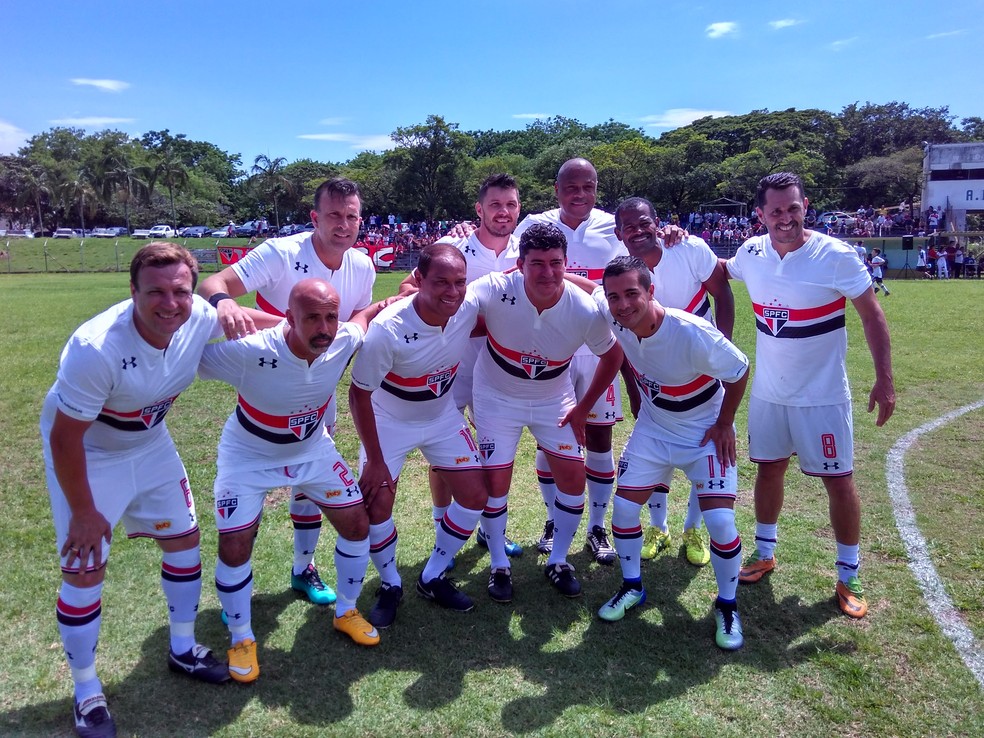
x=272, y=180
x=166, y=165
x=431, y=162
x=886, y=179
x=879, y=130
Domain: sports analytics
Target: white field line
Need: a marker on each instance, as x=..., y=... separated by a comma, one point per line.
x=938, y=601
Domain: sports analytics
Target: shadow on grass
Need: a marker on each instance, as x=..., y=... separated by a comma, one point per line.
x=568, y=656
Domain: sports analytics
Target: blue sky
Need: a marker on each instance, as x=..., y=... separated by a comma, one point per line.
x=326, y=80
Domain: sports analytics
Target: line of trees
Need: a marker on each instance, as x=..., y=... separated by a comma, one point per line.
x=868, y=154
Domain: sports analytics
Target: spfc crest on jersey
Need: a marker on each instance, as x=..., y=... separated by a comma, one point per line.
x=533, y=365
x=775, y=318
x=441, y=382
x=649, y=388
x=486, y=449
x=154, y=414
x=303, y=425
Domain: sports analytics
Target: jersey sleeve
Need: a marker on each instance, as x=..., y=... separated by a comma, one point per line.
x=734, y=266
x=714, y=355
x=375, y=358
x=260, y=267
x=851, y=277
x=225, y=361
x=480, y=291
x=703, y=261
x=597, y=335
x=85, y=380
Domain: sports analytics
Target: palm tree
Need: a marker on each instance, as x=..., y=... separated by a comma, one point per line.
x=272, y=180
x=122, y=180
x=75, y=187
x=34, y=184
x=168, y=166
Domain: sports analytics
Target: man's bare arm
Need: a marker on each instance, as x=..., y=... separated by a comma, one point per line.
x=724, y=300
x=880, y=344
x=235, y=321
x=87, y=527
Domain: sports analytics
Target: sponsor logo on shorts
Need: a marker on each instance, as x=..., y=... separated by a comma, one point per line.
x=462, y=459
x=775, y=318
x=699, y=485
x=486, y=449
x=565, y=447
x=333, y=493
x=592, y=415
x=225, y=508
x=162, y=525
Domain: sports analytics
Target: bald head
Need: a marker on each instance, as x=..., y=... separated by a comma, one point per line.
x=577, y=191
x=312, y=290
x=577, y=167
x=312, y=318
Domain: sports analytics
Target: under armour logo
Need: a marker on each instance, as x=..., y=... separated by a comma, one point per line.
x=754, y=249
x=831, y=465
x=715, y=484
x=470, y=250
x=391, y=561
x=609, y=415
x=356, y=581
x=272, y=363
x=507, y=298
x=237, y=616
x=132, y=362
x=298, y=267
x=408, y=338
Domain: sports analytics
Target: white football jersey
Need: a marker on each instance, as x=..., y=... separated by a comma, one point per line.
x=679, y=277
x=276, y=265
x=281, y=403
x=109, y=374
x=528, y=352
x=409, y=365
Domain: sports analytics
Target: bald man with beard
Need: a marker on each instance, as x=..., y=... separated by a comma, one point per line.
x=285, y=378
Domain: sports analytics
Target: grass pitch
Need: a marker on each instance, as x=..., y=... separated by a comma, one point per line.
x=543, y=665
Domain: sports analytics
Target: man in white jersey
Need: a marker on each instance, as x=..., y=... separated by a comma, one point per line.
x=536, y=321
x=686, y=421
x=492, y=247
x=285, y=377
x=799, y=282
x=271, y=270
x=591, y=244
x=684, y=277
x=109, y=457
x=401, y=399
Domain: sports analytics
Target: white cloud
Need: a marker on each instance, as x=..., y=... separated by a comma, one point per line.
x=331, y=121
x=11, y=138
x=677, y=117
x=946, y=34
x=722, y=28
x=106, y=85
x=531, y=116
x=91, y=122
x=784, y=23
x=843, y=43
x=359, y=142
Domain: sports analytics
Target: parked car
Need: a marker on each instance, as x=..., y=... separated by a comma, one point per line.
x=68, y=233
x=837, y=216
x=290, y=229
x=247, y=229
x=194, y=232
x=161, y=231
x=223, y=231
x=116, y=232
